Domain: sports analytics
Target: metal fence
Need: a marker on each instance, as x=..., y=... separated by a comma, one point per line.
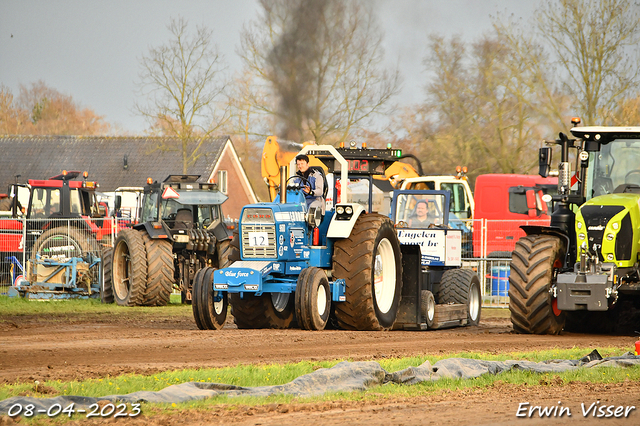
x=69, y=237
x=486, y=248
x=55, y=239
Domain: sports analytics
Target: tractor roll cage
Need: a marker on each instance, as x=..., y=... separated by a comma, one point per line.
x=353, y=163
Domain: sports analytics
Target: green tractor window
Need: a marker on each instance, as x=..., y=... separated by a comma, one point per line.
x=618, y=163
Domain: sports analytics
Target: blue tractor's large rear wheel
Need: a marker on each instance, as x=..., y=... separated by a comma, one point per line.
x=370, y=263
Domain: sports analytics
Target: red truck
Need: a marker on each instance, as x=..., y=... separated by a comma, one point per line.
x=504, y=202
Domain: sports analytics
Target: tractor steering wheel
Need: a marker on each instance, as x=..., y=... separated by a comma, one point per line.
x=635, y=174
x=303, y=179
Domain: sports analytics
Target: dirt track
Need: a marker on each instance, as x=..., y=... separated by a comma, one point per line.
x=91, y=346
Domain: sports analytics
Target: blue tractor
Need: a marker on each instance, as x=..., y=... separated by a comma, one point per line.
x=352, y=268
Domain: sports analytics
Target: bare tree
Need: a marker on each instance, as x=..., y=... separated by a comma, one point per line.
x=184, y=83
x=592, y=59
x=321, y=63
x=477, y=113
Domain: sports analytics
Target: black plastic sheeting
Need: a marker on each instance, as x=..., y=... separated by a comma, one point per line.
x=343, y=377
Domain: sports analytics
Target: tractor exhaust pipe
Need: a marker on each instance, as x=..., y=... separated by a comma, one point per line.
x=284, y=171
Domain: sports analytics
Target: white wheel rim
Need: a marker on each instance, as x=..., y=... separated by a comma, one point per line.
x=474, y=302
x=431, y=309
x=121, y=267
x=384, y=276
x=279, y=301
x=321, y=302
x=217, y=306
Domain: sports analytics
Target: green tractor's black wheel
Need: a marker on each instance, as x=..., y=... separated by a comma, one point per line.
x=534, y=265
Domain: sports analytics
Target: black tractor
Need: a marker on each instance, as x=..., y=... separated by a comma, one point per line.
x=181, y=231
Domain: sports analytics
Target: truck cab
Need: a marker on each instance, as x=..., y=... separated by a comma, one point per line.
x=462, y=204
x=504, y=202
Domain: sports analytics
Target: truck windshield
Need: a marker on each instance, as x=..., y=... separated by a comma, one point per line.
x=420, y=210
x=617, y=163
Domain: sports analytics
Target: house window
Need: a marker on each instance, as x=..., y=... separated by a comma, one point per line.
x=222, y=181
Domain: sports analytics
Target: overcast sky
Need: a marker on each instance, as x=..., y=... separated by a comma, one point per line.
x=90, y=49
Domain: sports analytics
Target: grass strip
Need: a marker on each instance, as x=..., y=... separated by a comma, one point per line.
x=274, y=374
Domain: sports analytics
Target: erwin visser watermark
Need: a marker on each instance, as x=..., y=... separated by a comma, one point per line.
x=594, y=409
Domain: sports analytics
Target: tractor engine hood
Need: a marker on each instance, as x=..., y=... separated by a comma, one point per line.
x=609, y=225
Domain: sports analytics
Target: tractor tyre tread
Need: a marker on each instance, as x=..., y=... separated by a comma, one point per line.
x=203, y=303
x=532, y=271
x=138, y=267
x=106, y=290
x=307, y=314
x=353, y=260
x=160, y=270
x=456, y=287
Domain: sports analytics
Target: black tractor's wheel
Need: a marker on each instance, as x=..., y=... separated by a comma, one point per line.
x=234, y=246
x=160, y=270
x=427, y=307
x=370, y=263
x=226, y=253
x=209, y=306
x=534, y=265
x=313, y=299
x=106, y=290
x=129, y=275
x=462, y=286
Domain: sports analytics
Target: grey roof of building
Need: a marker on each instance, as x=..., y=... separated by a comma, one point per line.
x=41, y=157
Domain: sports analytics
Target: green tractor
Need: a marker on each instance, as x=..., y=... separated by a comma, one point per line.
x=582, y=273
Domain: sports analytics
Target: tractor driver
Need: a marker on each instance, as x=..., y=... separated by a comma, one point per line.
x=314, y=189
x=425, y=214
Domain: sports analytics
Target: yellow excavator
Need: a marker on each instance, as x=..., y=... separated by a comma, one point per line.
x=280, y=153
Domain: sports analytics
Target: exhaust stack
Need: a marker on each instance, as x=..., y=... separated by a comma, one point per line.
x=284, y=172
